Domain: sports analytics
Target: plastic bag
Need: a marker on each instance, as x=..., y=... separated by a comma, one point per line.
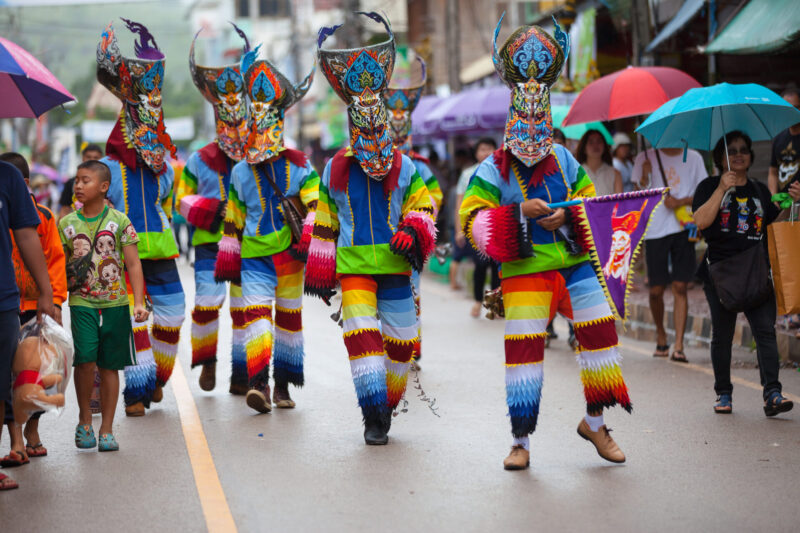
x=41, y=368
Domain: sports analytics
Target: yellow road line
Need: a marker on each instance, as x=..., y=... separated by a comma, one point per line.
x=209, y=489
x=705, y=370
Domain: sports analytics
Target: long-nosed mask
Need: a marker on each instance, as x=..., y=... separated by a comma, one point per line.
x=530, y=62
x=359, y=77
x=401, y=98
x=137, y=83
x=223, y=87
x=269, y=94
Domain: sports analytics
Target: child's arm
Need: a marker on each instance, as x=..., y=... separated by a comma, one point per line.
x=134, y=268
x=56, y=265
x=31, y=251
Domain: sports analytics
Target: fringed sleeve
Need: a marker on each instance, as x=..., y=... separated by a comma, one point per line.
x=309, y=195
x=320, y=277
x=415, y=237
x=229, y=258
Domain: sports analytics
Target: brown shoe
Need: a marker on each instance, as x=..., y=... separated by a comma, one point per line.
x=136, y=409
x=518, y=459
x=259, y=401
x=208, y=377
x=281, y=398
x=238, y=389
x=606, y=447
x=158, y=394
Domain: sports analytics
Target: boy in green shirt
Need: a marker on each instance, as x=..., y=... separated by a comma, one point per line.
x=101, y=324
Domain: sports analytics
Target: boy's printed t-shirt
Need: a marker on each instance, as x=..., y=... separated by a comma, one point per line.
x=105, y=281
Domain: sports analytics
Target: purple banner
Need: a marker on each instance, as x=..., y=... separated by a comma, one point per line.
x=617, y=224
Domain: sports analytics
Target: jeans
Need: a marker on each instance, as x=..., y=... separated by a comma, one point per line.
x=762, y=324
x=479, y=276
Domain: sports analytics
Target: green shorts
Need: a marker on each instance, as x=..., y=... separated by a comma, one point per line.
x=103, y=336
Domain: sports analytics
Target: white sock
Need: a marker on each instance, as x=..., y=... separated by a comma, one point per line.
x=524, y=441
x=594, y=421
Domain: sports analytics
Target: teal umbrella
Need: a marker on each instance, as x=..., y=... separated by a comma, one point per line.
x=576, y=131
x=699, y=118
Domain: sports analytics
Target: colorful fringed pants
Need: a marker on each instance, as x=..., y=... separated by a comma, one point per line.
x=417, y=283
x=266, y=281
x=380, y=352
x=156, y=352
x=528, y=305
x=209, y=297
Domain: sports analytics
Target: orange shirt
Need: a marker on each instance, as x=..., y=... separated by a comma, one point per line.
x=56, y=263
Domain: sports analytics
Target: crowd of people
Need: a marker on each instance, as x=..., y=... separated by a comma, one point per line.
x=267, y=228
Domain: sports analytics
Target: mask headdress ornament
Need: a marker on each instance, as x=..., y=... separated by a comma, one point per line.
x=530, y=62
x=270, y=94
x=137, y=82
x=223, y=87
x=401, y=99
x=359, y=77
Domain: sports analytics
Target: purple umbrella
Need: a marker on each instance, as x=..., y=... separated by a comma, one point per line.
x=27, y=88
x=469, y=112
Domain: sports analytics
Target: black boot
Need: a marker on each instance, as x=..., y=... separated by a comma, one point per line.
x=375, y=429
x=387, y=420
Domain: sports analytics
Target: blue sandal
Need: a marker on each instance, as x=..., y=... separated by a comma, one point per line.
x=776, y=403
x=107, y=443
x=84, y=437
x=724, y=404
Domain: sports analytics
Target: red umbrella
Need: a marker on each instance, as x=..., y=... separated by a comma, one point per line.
x=628, y=92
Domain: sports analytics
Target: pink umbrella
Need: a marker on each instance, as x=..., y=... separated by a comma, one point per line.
x=27, y=88
x=628, y=92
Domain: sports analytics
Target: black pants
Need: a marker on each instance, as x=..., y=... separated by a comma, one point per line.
x=479, y=277
x=762, y=324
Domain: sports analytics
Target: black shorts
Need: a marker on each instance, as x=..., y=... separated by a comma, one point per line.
x=675, y=251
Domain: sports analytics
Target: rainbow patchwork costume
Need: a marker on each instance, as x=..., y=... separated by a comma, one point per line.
x=402, y=97
x=535, y=261
x=141, y=187
x=256, y=247
x=202, y=195
x=373, y=225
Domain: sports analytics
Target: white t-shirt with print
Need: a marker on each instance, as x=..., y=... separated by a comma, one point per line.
x=682, y=179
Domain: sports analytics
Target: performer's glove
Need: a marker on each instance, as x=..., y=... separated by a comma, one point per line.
x=405, y=243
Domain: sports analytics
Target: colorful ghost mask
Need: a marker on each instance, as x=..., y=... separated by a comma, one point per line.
x=223, y=87
x=137, y=82
x=530, y=62
x=359, y=77
x=269, y=94
x=401, y=98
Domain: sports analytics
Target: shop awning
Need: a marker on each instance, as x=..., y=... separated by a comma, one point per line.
x=684, y=15
x=761, y=26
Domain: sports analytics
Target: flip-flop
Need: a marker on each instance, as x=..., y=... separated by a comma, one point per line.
x=6, y=483
x=679, y=357
x=662, y=350
x=14, y=458
x=35, y=450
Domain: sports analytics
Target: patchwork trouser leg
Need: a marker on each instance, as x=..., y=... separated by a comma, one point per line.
x=140, y=379
x=169, y=309
x=209, y=297
x=289, y=353
x=399, y=325
x=596, y=333
x=527, y=301
x=238, y=351
x=259, y=280
x=417, y=282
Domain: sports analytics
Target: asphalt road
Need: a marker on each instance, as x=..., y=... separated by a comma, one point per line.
x=308, y=469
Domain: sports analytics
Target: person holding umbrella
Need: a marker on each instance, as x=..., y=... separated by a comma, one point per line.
x=733, y=212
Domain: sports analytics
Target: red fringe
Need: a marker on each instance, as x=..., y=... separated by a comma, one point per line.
x=504, y=234
x=425, y=240
x=582, y=236
x=228, y=267
x=320, y=273
x=205, y=213
x=214, y=158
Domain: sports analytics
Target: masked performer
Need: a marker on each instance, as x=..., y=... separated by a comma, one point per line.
x=141, y=187
x=506, y=216
x=257, y=246
x=202, y=196
x=373, y=224
x=401, y=101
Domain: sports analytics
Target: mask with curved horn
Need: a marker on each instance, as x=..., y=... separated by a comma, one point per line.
x=401, y=98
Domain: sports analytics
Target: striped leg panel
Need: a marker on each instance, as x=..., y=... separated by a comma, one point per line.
x=527, y=305
x=259, y=280
x=364, y=343
x=209, y=297
x=400, y=332
x=289, y=352
x=140, y=379
x=238, y=351
x=169, y=308
x=598, y=355
x=415, y=279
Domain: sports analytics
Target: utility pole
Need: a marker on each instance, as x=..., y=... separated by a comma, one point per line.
x=452, y=36
x=294, y=48
x=640, y=28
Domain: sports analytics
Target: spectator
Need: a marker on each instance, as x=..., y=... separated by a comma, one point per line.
x=54, y=256
x=91, y=152
x=483, y=149
x=669, y=254
x=559, y=137
x=18, y=218
x=728, y=236
x=594, y=156
x=784, y=166
x=622, y=153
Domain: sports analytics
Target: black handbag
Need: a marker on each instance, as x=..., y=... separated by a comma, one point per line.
x=78, y=269
x=294, y=212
